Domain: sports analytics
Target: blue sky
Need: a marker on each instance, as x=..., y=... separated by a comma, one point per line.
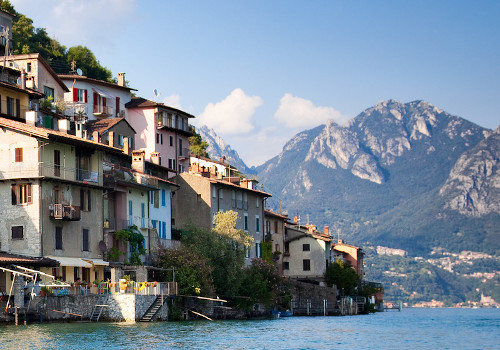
x=258, y=72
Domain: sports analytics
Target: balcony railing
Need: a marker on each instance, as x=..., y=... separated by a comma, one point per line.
x=64, y=212
x=115, y=173
x=103, y=110
x=51, y=170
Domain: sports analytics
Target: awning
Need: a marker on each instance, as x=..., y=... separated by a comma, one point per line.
x=66, y=261
x=97, y=262
x=102, y=92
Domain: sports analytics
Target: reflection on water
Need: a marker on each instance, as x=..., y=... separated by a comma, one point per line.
x=409, y=329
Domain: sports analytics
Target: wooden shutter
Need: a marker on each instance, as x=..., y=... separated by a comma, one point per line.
x=18, y=108
x=85, y=95
x=117, y=106
x=95, y=100
x=13, y=189
x=75, y=95
x=18, y=155
x=28, y=194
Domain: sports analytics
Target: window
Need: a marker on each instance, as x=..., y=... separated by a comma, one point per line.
x=247, y=252
x=49, y=92
x=10, y=106
x=28, y=66
x=80, y=95
x=120, y=140
x=163, y=198
x=85, y=199
x=17, y=232
x=180, y=147
x=306, y=265
x=257, y=224
x=245, y=201
x=306, y=247
x=286, y=265
x=221, y=196
x=130, y=214
x=159, y=138
x=152, y=196
x=99, y=104
x=171, y=141
x=59, y=240
x=276, y=227
x=214, y=192
x=233, y=198
x=171, y=163
x=57, y=163
x=18, y=155
x=181, y=168
x=239, y=200
x=143, y=215
x=164, y=223
x=85, y=245
x=21, y=194
x=257, y=202
x=258, y=250
x=18, y=108
x=245, y=218
x=76, y=273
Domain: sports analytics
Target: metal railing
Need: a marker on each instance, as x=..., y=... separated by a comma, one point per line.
x=57, y=171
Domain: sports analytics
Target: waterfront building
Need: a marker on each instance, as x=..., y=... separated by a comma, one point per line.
x=164, y=132
x=306, y=253
x=275, y=234
x=204, y=192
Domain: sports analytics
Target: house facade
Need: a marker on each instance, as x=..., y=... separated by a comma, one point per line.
x=275, y=234
x=204, y=192
x=306, y=252
x=164, y=131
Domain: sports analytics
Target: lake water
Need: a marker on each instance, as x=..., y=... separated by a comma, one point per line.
x=409, y=329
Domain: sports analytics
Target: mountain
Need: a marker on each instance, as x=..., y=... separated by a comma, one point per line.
x=405, y=176
x=416, y=187
x=217, y=148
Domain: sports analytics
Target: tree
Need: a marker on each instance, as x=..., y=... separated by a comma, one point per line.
x=197, y=146
x=342, y=275
x=87, y=62
x=135, y=240
x=193, y=272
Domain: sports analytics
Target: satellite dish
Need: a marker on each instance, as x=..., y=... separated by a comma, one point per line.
x=102, y=246
x=156, y=92
x=79, y=71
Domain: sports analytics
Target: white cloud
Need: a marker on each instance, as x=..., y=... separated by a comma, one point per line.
x=92, y=23
x=296, y=112
x=233, y=115
x=173, y=100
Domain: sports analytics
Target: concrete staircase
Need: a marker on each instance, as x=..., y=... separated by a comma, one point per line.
x=153, y=309
x=102, y=302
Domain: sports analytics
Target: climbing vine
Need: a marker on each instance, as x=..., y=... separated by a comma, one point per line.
x=135, y=239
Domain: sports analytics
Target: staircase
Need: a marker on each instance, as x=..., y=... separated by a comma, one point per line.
x=102, y=302
x=153, y=309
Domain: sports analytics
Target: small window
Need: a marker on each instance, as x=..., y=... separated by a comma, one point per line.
x=306, y=265
x=159, y=138
x=306, y=247
x=28, y=66
x=18, y=155
x=85, y=199
x=171, y=141
x=286, y=265
x=17, y=232
x=59, y=240
x=21, y=194
x=245, y=222
x=49, y=92
x=85, y=233
x=257, y=224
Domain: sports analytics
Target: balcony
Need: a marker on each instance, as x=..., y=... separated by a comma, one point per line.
x=103, y=111
x=51, y=170
x=116, y=174
x=64, y=212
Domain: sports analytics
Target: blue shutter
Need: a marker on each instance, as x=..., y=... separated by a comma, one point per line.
x=163, y=198
x=130, y=214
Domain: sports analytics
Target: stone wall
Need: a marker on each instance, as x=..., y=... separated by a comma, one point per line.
x=121, y=307
x=305, y=294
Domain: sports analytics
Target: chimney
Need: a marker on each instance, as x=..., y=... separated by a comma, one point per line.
x=95, y=136
x=126, y=148
x=326, y=230
x=295, y=219
x=121, y=79
x=23, y=79
x=138, y=163
x=155, y=158
x=111, y=138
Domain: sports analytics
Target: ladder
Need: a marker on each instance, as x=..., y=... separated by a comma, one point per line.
x=102, y=302
x=153, y=309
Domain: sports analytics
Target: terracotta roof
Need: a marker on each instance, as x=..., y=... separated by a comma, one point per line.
x=9, y=259
x=53, y=134
x=94, y=81
x=104, y=125
x=141, y=102
x=271, y=213
x=30, y=92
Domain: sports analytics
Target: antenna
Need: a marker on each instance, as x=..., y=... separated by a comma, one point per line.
x=156, y=94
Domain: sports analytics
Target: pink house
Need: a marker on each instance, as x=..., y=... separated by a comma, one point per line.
x=162, y=132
